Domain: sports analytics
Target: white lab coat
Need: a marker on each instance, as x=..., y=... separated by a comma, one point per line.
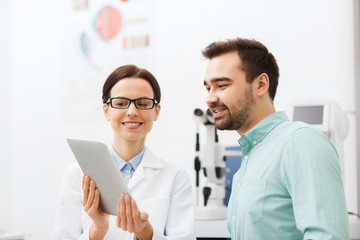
x=159, y=188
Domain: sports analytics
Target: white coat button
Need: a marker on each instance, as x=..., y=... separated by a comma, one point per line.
x=238, y=185
x=233, y=217
x=246, y=157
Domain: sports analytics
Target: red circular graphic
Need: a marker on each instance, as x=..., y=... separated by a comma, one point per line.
x=108, y=22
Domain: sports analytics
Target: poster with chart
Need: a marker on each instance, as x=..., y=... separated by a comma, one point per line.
x=99, y=37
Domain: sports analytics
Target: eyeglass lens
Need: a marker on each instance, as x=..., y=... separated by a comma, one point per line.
x=141, y=103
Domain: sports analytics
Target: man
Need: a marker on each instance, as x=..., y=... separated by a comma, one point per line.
x=289, y=184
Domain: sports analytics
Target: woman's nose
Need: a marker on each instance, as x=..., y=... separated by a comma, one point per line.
x=132, y=110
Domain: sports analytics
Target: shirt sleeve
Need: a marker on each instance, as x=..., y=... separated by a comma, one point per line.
x=312, y=176
x=68, y=214
x=180, y=224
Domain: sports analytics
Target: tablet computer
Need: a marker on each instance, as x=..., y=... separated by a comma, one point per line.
x=96, y=161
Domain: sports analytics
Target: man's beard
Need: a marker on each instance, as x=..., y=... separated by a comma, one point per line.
x=238, y=115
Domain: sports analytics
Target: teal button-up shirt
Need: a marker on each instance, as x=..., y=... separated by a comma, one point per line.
x=289, y=185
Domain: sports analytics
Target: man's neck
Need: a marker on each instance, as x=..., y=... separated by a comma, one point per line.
x=259, y=112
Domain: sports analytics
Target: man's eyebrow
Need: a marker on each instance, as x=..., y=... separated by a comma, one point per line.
x=222, y=79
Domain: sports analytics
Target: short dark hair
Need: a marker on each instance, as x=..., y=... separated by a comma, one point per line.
x=255, y=58
x=129, y=71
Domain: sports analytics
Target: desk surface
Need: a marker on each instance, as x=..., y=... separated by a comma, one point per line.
x=211, y=228
x=354, y=225
x=11, y=236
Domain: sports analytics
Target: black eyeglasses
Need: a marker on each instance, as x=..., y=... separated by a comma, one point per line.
x=124, y=103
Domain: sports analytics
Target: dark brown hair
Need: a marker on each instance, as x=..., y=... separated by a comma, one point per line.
x=254, y=56
x=130, y=71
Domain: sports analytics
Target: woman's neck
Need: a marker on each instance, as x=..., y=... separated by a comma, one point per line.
x=127, y=149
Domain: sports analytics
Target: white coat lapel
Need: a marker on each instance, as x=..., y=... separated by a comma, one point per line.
x=149, y=161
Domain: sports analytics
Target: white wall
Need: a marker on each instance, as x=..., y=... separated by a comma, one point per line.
x=357, y=97
x=312, y=40
x=5, y=116
x=37, y=133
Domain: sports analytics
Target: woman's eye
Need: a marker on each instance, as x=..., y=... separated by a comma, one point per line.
x=120, y=104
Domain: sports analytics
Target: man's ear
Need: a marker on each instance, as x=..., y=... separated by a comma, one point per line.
x=106, y=111
x=261, y=84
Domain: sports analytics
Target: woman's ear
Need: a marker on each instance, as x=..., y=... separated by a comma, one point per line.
x=157, y=111
x=262, y=84
x=106, y=111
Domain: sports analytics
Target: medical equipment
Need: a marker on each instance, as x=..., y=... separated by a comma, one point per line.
x=329, y=118
x=211, y=160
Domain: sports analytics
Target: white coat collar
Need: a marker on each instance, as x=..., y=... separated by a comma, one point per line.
x=149, y=161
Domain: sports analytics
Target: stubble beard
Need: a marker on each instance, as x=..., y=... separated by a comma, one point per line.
x=238, y=115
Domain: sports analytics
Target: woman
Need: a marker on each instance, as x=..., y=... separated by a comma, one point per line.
x=162, y=204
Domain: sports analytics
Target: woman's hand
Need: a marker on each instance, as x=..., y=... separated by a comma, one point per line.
x=91, y=206
x=130, y=219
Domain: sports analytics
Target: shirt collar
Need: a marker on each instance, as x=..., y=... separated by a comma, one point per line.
x=255, y=135
x=134, y=162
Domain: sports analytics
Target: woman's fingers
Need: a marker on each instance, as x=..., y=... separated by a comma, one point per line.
x=95, y=205
x=122, y=212
x=118, y=218
x=135, y=211
x=91, y=196
x=137, y=217
x=129, y=216
x=85, y=188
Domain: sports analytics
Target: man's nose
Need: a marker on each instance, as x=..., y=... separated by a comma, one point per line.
x=211, y=98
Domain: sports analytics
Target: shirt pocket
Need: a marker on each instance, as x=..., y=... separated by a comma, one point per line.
x=158, y=209
x=251, y=200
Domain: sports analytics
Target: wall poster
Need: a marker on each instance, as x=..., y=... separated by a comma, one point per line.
x=99, y=37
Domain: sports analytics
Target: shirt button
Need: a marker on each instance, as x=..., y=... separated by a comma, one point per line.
x=254, y=142
x=127, y=166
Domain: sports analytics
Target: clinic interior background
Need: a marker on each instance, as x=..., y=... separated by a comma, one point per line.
x=315, y=42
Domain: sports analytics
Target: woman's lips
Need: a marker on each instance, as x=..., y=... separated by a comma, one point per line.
x=132, y=125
